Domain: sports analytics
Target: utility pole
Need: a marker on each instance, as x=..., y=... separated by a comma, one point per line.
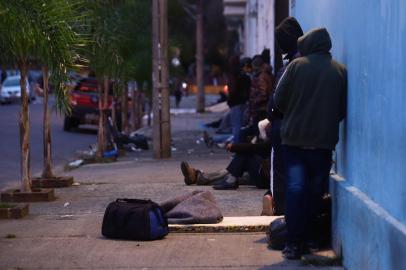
x=199, y=58
x=160, y=97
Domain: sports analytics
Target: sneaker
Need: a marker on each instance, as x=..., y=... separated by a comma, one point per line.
x=224, y=185
x=267, y=205
x=292, y=252
x=189, y=173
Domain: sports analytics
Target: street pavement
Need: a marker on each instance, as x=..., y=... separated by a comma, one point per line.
x=64, y=143
x=66, y=233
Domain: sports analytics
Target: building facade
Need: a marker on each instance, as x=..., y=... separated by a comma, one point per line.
x=254, y=20
x=369, y=187
x=369, y=184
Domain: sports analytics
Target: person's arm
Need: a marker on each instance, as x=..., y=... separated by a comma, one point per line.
x=282, y=92
x=343, y=104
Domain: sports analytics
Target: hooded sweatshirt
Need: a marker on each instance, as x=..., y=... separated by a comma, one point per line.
x=287, y=33
x=312, y=94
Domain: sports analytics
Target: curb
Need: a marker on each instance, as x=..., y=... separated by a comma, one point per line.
x=228, y=225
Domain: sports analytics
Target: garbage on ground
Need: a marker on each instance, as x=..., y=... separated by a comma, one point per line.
x=66, y=204
x=88, y=154
x=76, y=163
x=217, y=108
x=111, y=153
x=76, y=184
x=67, y=217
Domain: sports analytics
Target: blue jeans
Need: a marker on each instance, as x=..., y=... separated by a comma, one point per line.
x=237, y=117
x=307, y=172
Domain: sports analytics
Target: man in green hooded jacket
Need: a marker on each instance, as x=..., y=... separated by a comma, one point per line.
x=312, y=97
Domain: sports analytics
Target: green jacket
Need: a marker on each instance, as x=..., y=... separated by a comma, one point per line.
x=312, y=94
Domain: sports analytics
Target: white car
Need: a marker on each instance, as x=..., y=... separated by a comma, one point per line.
x=11, y=90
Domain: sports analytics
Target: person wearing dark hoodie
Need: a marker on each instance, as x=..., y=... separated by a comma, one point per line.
x=312, y=97
x=286, y=33
x=238, y=92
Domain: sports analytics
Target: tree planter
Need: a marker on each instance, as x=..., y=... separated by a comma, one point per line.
x=13, y=211
x=36, y=195
x=55, y=182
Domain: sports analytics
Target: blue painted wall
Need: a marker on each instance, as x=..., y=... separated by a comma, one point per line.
x=369, y=36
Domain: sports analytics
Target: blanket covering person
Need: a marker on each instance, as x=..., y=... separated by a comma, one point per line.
x=197, y=207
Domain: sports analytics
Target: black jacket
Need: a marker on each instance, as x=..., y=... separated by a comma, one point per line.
x=238, y=89
x=312, y=94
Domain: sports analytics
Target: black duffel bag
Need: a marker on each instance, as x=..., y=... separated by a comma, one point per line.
x=134, y=219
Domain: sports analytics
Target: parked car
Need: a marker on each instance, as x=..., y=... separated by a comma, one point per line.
x=84, y=101
x=11, y=90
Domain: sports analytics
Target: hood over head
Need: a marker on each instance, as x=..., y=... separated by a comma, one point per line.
x=234, y=64
x=287, y=33
x=257, y=62
x=315, y=41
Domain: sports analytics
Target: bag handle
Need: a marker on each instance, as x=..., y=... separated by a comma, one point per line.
x=134, y=201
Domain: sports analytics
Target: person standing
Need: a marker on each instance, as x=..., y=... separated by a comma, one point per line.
x=286, y=33
x=312, y=97
x=238, y=92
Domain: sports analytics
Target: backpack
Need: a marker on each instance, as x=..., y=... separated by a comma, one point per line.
x=134, y=219
x=277, y=232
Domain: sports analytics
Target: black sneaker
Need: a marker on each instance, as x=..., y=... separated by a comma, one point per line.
x=224, y=185
x=292, y=252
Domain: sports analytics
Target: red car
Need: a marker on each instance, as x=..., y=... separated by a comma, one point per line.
x=84, y=102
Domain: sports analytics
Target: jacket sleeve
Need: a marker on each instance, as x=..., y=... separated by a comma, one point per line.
x=283, y=91
x=343, y=104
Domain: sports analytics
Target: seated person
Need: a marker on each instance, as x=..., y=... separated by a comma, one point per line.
x=251, y=158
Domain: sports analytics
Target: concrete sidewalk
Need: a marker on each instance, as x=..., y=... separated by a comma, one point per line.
x=66, y=233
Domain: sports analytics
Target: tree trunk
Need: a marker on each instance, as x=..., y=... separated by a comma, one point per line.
x=200, y=59
x=124, y=110
x=47, y=169
x=149, y=120
x=134, y=109
x=101, y=134
x=137, y=111
x=24, y=132
x=114, y=111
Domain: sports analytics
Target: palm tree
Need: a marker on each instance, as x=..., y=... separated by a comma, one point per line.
x=27, y=28
x=104, y=57
x=59, y=53
x=19, y=45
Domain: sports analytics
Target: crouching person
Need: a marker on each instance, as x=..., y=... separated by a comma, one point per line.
x=312, y=97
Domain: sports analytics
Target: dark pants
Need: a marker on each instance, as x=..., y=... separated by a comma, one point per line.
x=307, y=173
x=278, y=175
x=237, y=119
x=251, y=164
